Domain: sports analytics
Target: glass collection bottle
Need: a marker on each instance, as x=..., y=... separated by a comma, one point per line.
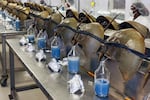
x=31, y=31
x=4, y=14
x=55, y=47
x=101, y=80
x=17, y=24
x=73, y=61
x=42, y=38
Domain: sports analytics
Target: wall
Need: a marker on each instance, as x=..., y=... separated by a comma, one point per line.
x=100, y=5
x=56, y=2
x=146, y=3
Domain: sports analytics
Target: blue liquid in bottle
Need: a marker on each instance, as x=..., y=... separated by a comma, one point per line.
x=41, y=43
x=55, y=52
x=73, y=64
x=3, y=15
x=31, y=38
x=17, y=25
x=102, y=87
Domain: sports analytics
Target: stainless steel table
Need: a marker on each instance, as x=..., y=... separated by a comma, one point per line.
x=53, y=85
x=4, y=34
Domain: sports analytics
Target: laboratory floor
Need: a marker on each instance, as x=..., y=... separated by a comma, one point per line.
x=22, y=78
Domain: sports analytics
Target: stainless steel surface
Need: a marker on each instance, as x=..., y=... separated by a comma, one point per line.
x=53, y=84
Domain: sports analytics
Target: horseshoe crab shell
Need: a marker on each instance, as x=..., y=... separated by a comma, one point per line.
x=26, y=10
x=23, y=14
x=19, y=3
x=44, y=14
x=89, y=42
x=3, y=3
x=105, y=20
x=50, y=25
x=137, y=26
x=66, y=33
x=86, y=18
x=128, y=62
x=72, y=13
x=48, y=9
x=56, y=17
x=91, y=45
x=11, y=7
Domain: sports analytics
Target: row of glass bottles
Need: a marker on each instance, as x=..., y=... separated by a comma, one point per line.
x=8, y=19
x=101, y=75
x=40, y=37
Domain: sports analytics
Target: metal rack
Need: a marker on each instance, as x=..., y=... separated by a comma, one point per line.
x=4, y=35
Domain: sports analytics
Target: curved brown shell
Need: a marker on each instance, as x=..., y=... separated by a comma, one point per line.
x=137, y=26
x=72, y=13
x=90, y=45
x=26, y=10
x=127, y=61
x=56, y=17
x=94, y=28
x=86, y=18
x=50, y=10
x=44, y=14
x=72, y=22
x=4, y=3
x=106, y=20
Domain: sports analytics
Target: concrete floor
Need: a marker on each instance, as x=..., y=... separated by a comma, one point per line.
x=22, y=78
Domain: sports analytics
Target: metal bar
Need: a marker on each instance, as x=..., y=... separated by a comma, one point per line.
x=12, y=74
x=23, y=88
x=78, y=5
x=38, y=83
x=4, y=71
x=6, y=33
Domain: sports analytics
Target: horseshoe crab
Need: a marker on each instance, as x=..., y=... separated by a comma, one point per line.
x=67, y=34
x=143, y=30
x=84, y=17
x=3, y=4
x=127, y=61
x=106, y=20
x=48, y=20
x=57, y=18
x=90, y=45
